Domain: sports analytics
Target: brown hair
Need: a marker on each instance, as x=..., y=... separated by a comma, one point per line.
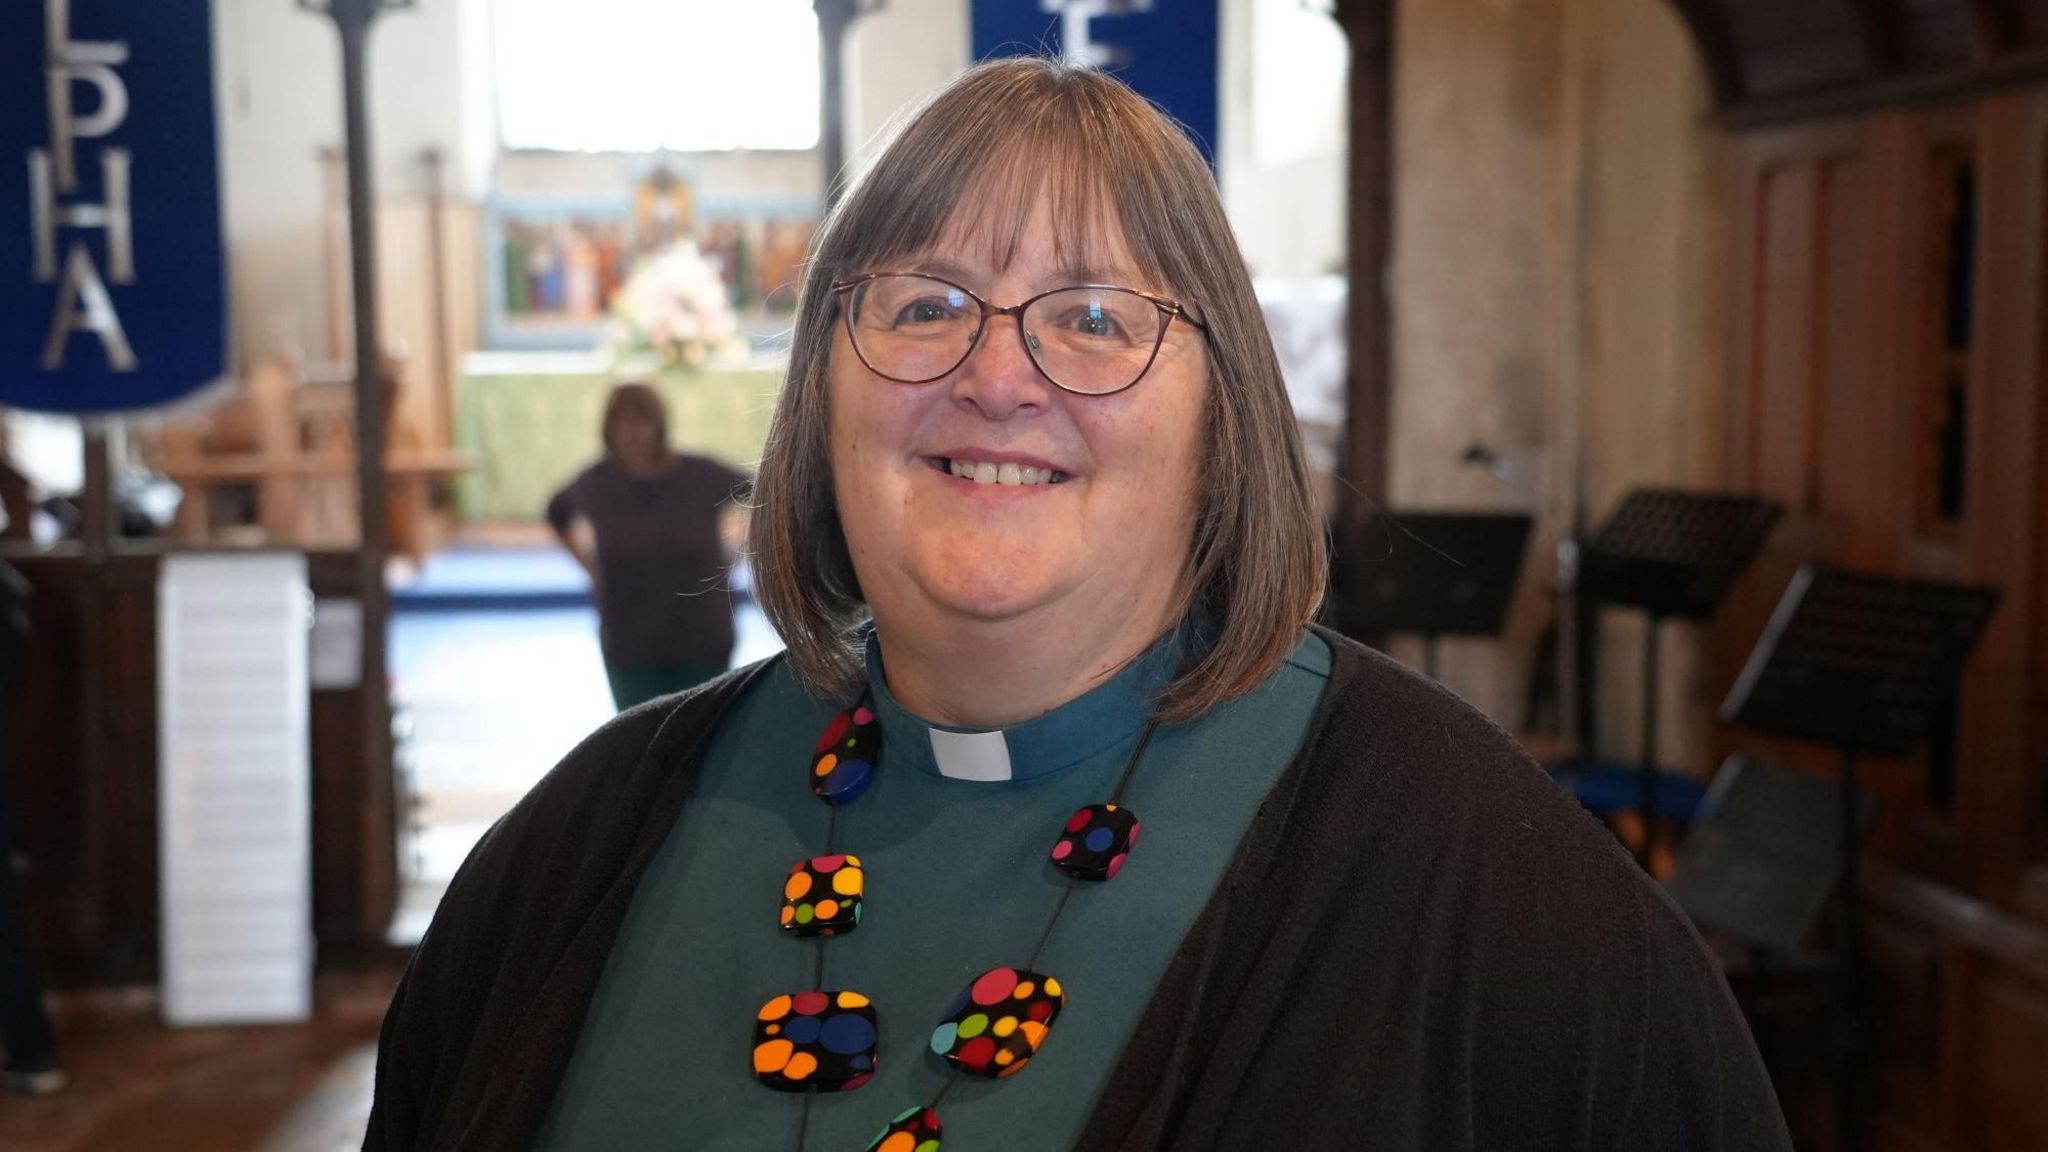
x=969, y=165
x=629, y=401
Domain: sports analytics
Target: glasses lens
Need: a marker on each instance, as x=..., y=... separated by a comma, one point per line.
x=912, y=328
x=1093, y=340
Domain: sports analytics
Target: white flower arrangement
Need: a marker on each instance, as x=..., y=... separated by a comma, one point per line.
x=676, y=306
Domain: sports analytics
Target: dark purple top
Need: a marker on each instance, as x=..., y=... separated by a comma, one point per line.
x=662, y=596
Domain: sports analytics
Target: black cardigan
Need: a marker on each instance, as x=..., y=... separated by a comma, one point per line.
x=1422, y=944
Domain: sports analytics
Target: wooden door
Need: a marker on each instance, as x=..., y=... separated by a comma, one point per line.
x=1815, y=412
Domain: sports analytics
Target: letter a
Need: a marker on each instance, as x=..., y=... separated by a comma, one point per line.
x=83, y=306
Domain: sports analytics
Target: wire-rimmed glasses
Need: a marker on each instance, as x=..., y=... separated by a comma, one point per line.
x=1091, y=339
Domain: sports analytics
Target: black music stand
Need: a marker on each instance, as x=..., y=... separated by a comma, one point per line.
x=1861, y=664
x=1445, y=574
x=1763, y=855
x=1671, y=553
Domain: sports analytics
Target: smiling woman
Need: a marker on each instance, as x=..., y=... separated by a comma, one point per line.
x=1018, y=197
x=1078, y=834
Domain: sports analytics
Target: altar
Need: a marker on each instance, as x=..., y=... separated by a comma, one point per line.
x=529, y=421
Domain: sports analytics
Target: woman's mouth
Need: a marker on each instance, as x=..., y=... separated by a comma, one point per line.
x=1006, y=473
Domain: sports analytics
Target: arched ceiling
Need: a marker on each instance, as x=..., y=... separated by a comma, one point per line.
x=1776, y=61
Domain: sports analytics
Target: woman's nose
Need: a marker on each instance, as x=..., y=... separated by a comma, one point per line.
x=998, y=378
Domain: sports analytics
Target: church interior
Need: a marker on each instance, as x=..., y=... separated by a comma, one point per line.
x=1673, y=375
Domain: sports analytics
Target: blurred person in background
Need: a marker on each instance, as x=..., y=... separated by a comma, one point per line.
x=644, y=523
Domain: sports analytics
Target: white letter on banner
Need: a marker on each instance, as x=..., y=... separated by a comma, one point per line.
x=67, y=60
x=113, y=215
x=82, y=286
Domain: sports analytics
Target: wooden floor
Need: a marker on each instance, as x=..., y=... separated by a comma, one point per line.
x=137, y=1085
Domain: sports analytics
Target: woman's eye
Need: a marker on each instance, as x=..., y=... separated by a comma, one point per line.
x=1093, y=322
x=924, y=312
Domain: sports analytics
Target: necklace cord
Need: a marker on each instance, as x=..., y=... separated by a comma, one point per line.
x=1131, y=765
x=1066, y=890
x=943, y=1089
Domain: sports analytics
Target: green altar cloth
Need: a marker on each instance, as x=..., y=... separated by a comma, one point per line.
x=532, y=422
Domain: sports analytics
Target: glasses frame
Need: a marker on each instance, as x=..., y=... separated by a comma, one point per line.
x=1169, y=308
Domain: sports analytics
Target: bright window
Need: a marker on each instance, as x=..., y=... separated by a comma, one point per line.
x=645, y=75
x=1300, y=69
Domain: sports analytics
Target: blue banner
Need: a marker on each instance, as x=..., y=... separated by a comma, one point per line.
x=1170, y=51
x=113, y=285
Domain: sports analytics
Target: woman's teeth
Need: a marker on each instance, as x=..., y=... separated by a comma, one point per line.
x=983, y=472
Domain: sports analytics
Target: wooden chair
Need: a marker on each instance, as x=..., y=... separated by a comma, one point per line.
x=287, y=442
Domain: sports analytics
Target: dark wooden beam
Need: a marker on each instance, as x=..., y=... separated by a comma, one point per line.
x=1709, y=28
x=2015, y=68
x=1362, y=462
x=1998, y=27
x=1883, y=35
x=835, y=17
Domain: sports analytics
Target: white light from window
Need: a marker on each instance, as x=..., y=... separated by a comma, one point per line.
x=1300, y=67
x=645, y=75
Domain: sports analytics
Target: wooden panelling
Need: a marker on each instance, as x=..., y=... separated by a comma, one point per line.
x=2007, y=479
x=1905, y=961
x=1927, y=150
x=2007, y=1109
x=2034, y=126
x=82, y=764
x=1962, y=997
x=82, y=757
x=1811, y=421
x=1850, y=461
x=1782, y=420
x=355, y=844
x=1844, y=356
x=1805, y=233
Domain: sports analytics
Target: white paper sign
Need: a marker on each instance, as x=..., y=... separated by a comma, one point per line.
x=336, y=650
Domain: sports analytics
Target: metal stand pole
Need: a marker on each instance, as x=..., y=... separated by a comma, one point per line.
x=1850, y=1046
x=835, y=17
x=1646, y=768
x=445, y=367
x=353, y=19
x=97, y=517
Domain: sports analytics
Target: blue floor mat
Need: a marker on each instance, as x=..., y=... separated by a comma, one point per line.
x=503, y=579
x=1605, y=788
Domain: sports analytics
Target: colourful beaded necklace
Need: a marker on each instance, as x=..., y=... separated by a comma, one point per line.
x=826, y=1041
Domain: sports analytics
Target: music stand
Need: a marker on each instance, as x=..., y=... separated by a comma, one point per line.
x=1763, y=857
x=1671, y=553
x=1861, y=664
x=1445, y=574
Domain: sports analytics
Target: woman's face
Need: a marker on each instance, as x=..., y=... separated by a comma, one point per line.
x=1103, y=548
x=637, y=440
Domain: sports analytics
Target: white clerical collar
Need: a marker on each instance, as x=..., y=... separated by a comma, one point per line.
x=1107, y=715
x=983, y=757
